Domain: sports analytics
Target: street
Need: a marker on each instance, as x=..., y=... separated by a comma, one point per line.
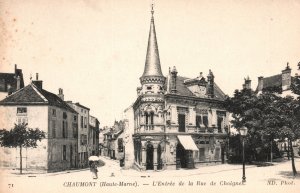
x=214, y=178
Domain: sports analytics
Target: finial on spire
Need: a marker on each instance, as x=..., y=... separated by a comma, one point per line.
x=287, y=66
x=152, y=10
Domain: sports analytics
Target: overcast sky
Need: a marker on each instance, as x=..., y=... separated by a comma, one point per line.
x=95, y=49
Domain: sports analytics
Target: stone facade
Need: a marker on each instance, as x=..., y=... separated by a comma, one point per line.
x=93, y=136
x=83, y=132
x=178, y=122
x=44, y=110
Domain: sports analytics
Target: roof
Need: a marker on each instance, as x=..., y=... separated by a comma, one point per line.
x=182, y=89
x=31, y=95
x=80, y=105
x=152, y=64
x=273, y=81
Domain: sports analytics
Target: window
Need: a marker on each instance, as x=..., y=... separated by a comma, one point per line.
x=65, y=129
x=65, y=115
x=81, y=121
x=85, y=122
x=54, y=112
x=120, y=145
x=151, y=118
x=74, y=126
x=64, y=152
x=75, y=118
x=21, y=110
x=22, y=120
x=149, y=87
x=53, y=128
x=198, y=120
x=83, y=139
x=220, y=123
x=147, y=118
x=181, y=122
x=205, y=121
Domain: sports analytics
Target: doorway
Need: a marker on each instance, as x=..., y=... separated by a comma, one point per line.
x=149, y=157
x=181, y=155
x=159, y=158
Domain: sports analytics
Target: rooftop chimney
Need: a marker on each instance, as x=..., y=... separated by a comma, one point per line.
x=286, y=78
x=247, y=84
x=210, y=85
x=173, y=80
x=38, y=83
x=18, y=83
x=260, y=83
x=60, y=94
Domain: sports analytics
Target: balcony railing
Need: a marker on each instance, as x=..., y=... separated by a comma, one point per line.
x=208, y=130
x=150, y=128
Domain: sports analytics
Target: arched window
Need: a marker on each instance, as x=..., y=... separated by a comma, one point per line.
x=147, y=118
x=151, y=117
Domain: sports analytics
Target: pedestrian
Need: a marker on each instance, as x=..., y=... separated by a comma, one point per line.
x=93, y=169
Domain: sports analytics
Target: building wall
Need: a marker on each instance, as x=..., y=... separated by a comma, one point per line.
x=83, y=129
x=128, y=140
x=162, y=135
x=62, y=146
x=36, y=117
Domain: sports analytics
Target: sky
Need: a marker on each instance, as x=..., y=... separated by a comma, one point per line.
x=95, y=49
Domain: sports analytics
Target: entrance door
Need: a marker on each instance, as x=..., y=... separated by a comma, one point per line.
x=181, y=155
x=149, y=157
x=159, y=158
x=181, y=121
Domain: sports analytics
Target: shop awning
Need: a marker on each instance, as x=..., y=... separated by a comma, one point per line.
x=187, y=142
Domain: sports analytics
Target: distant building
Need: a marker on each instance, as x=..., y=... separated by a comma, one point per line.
x=114, y=141
x=179, y=122
x=10, y=82
x=280, y=82
x=93, y=136
x=83, y=132
x=46, y=111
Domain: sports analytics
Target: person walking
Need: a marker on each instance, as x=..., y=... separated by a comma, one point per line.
x=94, y=170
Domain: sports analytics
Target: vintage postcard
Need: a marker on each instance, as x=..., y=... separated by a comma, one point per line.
x=149, y=96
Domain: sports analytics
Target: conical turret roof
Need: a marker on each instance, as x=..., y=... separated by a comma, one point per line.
x=152, y=64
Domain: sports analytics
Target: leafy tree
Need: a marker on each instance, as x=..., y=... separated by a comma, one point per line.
x=288, y=122
x=295, y=86
x=267, y=116
x=21, y=136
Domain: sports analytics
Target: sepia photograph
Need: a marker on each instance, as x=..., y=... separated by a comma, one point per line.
x=149, y=95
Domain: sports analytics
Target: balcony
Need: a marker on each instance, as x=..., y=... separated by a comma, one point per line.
x=150, y=129
x=209, y=130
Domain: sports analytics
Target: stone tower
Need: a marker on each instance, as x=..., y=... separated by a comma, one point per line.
x=152, y=80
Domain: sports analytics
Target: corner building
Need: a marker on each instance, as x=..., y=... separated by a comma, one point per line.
x=179, y=122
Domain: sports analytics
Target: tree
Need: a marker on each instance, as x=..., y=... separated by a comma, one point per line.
x=267, y=116
x=295, y=86
x=289, y=122
x=21, y=136
x=247, y=108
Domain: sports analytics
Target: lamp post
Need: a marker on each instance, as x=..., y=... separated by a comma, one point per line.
x=243, y=132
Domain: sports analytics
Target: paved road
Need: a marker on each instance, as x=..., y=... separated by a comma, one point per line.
x=218, y=178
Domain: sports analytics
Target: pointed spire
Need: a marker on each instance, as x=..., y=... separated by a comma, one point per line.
x=152, y=64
